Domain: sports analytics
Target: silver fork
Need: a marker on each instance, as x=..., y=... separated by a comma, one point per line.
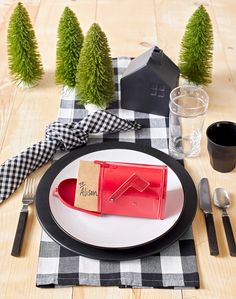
x=28, y=198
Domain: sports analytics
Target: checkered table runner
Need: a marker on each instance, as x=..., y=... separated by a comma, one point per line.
x=174, y=267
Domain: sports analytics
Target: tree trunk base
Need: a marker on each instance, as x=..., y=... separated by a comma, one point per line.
x=69, y=91
x=91, y=108
x=25, y=85
x=183, y=81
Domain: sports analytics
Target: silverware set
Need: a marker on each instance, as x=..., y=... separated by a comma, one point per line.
x=221, y=200
x=28, y=198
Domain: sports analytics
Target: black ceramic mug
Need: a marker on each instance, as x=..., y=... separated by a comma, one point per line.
x=221, y=145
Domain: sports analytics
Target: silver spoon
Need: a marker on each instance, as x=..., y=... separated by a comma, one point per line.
x=221, y=200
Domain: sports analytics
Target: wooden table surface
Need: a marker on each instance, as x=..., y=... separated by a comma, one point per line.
x=132, y=26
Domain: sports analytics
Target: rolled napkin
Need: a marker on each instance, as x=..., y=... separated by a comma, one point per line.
x=58, y=136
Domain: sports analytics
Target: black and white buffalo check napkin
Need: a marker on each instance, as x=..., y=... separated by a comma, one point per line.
x=174, y=267
x=58, y=135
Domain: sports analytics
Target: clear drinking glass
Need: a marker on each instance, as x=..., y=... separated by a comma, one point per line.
x=188, y=106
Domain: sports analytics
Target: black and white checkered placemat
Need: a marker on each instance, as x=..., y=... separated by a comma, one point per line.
x=174, y=267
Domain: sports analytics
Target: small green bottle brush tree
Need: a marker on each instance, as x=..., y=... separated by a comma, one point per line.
x=196, y=54
x=70, y=40
x=95, y=75
x=23, y=56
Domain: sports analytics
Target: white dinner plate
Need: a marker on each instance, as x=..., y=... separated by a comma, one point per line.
x=110, y=237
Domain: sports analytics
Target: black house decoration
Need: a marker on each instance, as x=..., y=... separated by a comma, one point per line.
x=147, y=82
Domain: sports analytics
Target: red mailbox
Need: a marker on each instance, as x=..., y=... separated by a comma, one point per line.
x=129, y=189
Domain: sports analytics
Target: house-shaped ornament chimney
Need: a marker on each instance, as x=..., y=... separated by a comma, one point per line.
x=147, y=82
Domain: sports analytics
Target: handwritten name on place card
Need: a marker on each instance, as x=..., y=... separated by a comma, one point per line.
x=87, y=186
x=85, y=191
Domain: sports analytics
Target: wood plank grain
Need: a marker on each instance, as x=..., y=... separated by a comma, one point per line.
x=102, y=292
x=117, y=293
x=7, y=94
x=129, y=26
x=157, y=294
x=224, y=15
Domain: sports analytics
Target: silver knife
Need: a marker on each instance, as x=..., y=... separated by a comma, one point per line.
x=205, y=206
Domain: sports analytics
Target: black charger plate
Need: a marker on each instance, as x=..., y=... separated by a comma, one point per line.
x=49, y=224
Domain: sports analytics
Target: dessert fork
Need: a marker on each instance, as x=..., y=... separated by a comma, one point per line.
x=28, y=198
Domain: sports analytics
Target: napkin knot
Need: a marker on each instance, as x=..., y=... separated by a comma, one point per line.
x=66, y=136
x=70, y=135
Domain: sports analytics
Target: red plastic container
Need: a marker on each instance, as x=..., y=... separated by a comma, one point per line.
x=129, y=189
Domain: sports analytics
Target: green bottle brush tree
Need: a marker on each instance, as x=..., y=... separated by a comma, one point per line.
x=70, y=40
x=95, y=75
x=23, y=56
x=196, y=54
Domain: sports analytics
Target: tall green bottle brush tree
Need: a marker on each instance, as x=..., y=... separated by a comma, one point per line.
x=95, y=75
x=23, y=56
x=70, y=40
x=196, y=53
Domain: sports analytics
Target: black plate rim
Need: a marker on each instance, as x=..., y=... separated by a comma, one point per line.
x=49, y=224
